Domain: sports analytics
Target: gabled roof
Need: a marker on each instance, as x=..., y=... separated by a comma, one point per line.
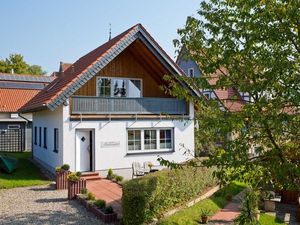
x=89, y=65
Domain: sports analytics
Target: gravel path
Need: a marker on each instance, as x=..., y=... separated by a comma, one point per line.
x=41, y=205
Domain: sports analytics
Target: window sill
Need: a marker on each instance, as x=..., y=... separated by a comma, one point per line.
x=137, y=152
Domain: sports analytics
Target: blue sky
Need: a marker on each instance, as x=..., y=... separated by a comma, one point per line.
x=47, y=32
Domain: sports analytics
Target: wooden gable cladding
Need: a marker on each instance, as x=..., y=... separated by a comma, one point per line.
x=134, y=62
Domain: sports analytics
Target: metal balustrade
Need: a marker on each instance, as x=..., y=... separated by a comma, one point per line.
x=101, y=105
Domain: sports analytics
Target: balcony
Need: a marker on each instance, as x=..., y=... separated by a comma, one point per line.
x=99, y=105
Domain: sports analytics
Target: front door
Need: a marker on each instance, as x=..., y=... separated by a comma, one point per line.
x=83, y=150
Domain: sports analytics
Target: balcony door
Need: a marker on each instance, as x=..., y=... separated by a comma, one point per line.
x=84, y=150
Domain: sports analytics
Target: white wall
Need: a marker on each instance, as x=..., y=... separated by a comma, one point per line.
x=51, y=120
x=116, y=131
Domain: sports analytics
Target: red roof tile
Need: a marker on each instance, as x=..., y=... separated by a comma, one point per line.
x=73, y=72
x=11, y=100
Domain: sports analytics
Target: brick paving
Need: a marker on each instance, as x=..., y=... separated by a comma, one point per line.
x=108, y=191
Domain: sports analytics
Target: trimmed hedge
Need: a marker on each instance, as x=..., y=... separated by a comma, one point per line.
x=149, y=197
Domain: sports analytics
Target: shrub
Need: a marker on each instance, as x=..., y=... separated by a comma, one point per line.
x=109, y=174
x=58, y=169
x=119, y=178
x=109, y=210
x=65, y=167
x=78, y=174
x=91, y=196
x=84, y=191
x=100, y=204
x=73, y=177
x=154, y=194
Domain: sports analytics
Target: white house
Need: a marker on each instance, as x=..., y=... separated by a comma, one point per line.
x=108, y=110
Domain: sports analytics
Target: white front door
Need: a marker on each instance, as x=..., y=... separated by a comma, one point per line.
x=83, y=150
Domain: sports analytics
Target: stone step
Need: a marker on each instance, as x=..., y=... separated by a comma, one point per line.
x=87, y=174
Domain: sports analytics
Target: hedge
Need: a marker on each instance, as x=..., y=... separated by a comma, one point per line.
x=149, y=197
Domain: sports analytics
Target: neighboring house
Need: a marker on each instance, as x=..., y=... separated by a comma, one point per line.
x=229, y=99
x=107, y=110
x=15, y=91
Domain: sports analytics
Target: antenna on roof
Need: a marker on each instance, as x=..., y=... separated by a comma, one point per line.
x=109, y=38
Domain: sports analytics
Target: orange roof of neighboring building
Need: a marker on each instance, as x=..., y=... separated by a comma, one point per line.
x=11, y=100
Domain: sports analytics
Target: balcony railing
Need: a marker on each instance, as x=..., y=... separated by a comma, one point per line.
x=100, y=105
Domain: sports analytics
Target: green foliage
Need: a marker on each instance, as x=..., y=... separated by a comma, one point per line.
x=84, y=191
x=91, y=196
x=206, y=212
x=249, y=211
x=73, y=177
x=16, y=63
x=252, y=47
x=27, y=174
x=154, y=194
x=58, y=169
x=110, y=174
x=266, y=219
x=190, y=216
x=109, y=210
x=65, y=167
x=119, y=178
x=100, y=203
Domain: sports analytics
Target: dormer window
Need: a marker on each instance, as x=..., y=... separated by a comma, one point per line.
x=191, y=72
x=119, y=87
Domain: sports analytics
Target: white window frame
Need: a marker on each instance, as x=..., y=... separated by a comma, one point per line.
x=111, y=85
x=191, y=69
x=158, y=149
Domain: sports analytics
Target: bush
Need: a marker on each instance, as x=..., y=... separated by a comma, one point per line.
x=73, y=177
x=58, y=169
x=109, y=174
x=84, y=191
x=91, y=196
x=65, y=167
x=109, y=210
x=119, y=178
x=100, y=204
x=154, y=194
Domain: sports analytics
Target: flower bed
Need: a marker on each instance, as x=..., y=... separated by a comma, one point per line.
x=97, y=207
x=61, y=177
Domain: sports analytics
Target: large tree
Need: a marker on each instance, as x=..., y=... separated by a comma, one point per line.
x=17, y=64
x=254, y=46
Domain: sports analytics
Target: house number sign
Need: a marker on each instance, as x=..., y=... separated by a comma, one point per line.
x=110, y=144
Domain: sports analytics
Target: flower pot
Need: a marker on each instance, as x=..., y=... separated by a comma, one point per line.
x=75, y=187
x=204, y=219
x=269, y=205
x=61, y=179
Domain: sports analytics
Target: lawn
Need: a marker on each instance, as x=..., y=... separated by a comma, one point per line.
x=191, y=215
x=27, y=174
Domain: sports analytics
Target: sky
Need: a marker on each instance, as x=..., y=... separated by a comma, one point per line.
x=46, y=32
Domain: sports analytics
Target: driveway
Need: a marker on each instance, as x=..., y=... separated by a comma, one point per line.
x=41, y=205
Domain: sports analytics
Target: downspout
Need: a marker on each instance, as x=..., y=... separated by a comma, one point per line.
x=27, y=121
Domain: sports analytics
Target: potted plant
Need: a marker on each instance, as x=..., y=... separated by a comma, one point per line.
x=269, y=203
x=205, y=213
x=75, y=184
x=62, y=173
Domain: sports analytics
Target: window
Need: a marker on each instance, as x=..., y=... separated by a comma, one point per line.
x=207, y=95
x=35, y=135
x=148, y=140
x=45, y=137
x=134, y=140
x=245, y=96
x=40, y=136
x=119, y=87
x=191, y=72
x=55, y=140
x=165, y=139
x=13, y=127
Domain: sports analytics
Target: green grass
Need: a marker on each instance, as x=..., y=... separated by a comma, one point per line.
x=191, y=215
x=26, y=174
x=269, y=220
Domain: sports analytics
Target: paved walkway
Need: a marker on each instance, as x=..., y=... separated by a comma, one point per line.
x=108, y=191
x=229, y=213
